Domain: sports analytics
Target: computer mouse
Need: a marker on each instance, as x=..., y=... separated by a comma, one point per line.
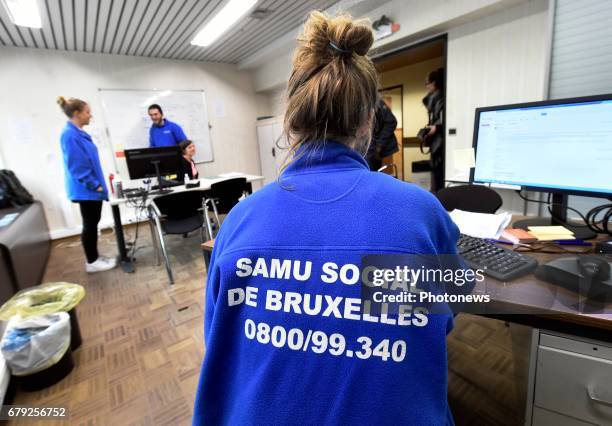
x=604, y=247
x=594, y=267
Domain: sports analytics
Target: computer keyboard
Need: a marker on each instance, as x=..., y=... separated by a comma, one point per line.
x=497, y=262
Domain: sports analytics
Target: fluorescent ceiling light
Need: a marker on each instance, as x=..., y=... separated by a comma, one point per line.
x=23, y=13
x=228, y=16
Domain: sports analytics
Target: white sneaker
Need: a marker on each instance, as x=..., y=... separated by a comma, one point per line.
x=112, y=260
x=101, y=264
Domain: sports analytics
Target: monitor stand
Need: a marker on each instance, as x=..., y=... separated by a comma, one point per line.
x=160, y=182
x=559, y=209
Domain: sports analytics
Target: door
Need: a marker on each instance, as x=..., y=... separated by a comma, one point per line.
x=271, y=154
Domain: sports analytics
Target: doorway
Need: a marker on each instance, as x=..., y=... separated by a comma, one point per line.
x=402, y=79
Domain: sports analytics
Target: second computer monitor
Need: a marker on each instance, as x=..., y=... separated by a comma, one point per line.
x=562, y=146
x=142, y=162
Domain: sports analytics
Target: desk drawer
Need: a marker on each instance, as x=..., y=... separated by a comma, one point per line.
x=543, y=417
x=563, y=380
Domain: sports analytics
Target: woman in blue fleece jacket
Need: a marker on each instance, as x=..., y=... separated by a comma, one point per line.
x=287, y=340
x=84, y=179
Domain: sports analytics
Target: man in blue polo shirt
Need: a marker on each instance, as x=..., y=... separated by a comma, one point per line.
x=163, y=132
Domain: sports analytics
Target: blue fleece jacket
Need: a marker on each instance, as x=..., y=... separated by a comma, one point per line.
x=285, y=340
x=83, y=172
x=168, y=134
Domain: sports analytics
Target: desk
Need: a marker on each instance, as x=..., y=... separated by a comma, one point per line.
x=205, y=184
x=552, y=391
x=536, y=303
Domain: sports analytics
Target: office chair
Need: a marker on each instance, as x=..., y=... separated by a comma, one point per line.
x=393, y=167
x=175, y=214
x=470, y=198
x=222, y=197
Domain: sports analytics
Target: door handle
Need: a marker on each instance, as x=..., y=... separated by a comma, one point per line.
x=273, y=152
x=594, y=398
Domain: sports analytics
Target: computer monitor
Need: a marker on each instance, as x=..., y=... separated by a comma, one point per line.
x=560, y=146
x=153, y=162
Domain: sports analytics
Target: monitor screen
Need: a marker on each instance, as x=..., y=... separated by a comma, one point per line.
x=563, y=146
x=141, y=162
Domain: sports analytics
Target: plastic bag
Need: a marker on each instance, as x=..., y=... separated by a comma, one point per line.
x=43, y=299
x=36, y=343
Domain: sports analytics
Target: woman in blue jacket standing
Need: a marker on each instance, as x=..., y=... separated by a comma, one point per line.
x=287, y=340
x=84, y=179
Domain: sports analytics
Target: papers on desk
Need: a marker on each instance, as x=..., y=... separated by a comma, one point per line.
x=8, y=219
x=481, y=225
x=231, y=175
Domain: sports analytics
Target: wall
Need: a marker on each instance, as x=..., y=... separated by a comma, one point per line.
x=500, y=59
x=31, y=122
x=418, y=19
x=576, y=71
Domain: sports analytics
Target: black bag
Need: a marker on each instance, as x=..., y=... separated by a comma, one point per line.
x=12, y=192
x=422, y=135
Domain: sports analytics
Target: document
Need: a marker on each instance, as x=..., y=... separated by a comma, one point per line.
x=481, y=225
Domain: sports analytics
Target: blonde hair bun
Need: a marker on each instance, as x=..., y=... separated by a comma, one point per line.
x=333, y=87
x=71, y=105
x=329, y=37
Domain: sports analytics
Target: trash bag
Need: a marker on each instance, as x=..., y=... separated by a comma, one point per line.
x=34, y=344
x=43, y=299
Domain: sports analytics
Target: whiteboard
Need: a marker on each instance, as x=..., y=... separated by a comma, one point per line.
x=128, y=122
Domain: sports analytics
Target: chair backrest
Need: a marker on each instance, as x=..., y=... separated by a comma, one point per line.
x=470, y=198
x=227, y=193
x=180, y=205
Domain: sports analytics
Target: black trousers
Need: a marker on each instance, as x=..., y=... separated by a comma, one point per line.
x=437, y=170
x=91, y=210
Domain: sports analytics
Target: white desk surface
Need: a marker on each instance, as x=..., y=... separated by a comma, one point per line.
x=205, y=184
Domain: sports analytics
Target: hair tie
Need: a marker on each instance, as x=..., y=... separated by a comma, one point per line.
x=337, y=48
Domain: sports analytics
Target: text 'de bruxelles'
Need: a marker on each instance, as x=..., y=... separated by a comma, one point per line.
x=303, y=288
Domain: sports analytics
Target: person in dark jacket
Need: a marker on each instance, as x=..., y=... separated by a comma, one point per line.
x=434, y=102
x=84, y=179
x=384, y=143
x=188, y=166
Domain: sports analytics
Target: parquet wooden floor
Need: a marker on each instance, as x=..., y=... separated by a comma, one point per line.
x=142, y=338
x=482, y=382
x=143, y=345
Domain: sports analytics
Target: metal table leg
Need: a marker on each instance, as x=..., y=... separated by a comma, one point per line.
x=126, y=262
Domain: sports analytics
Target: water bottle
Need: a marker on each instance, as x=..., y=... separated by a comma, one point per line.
x=118, y=186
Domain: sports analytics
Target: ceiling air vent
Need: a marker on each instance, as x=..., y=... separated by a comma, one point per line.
x=261, y=14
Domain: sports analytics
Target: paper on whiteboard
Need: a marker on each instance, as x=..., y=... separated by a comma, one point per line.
x=220, y=109
x=464, y=158
x=97, y=135
x=54, y=163
x=481, y=225
x=20, y=130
